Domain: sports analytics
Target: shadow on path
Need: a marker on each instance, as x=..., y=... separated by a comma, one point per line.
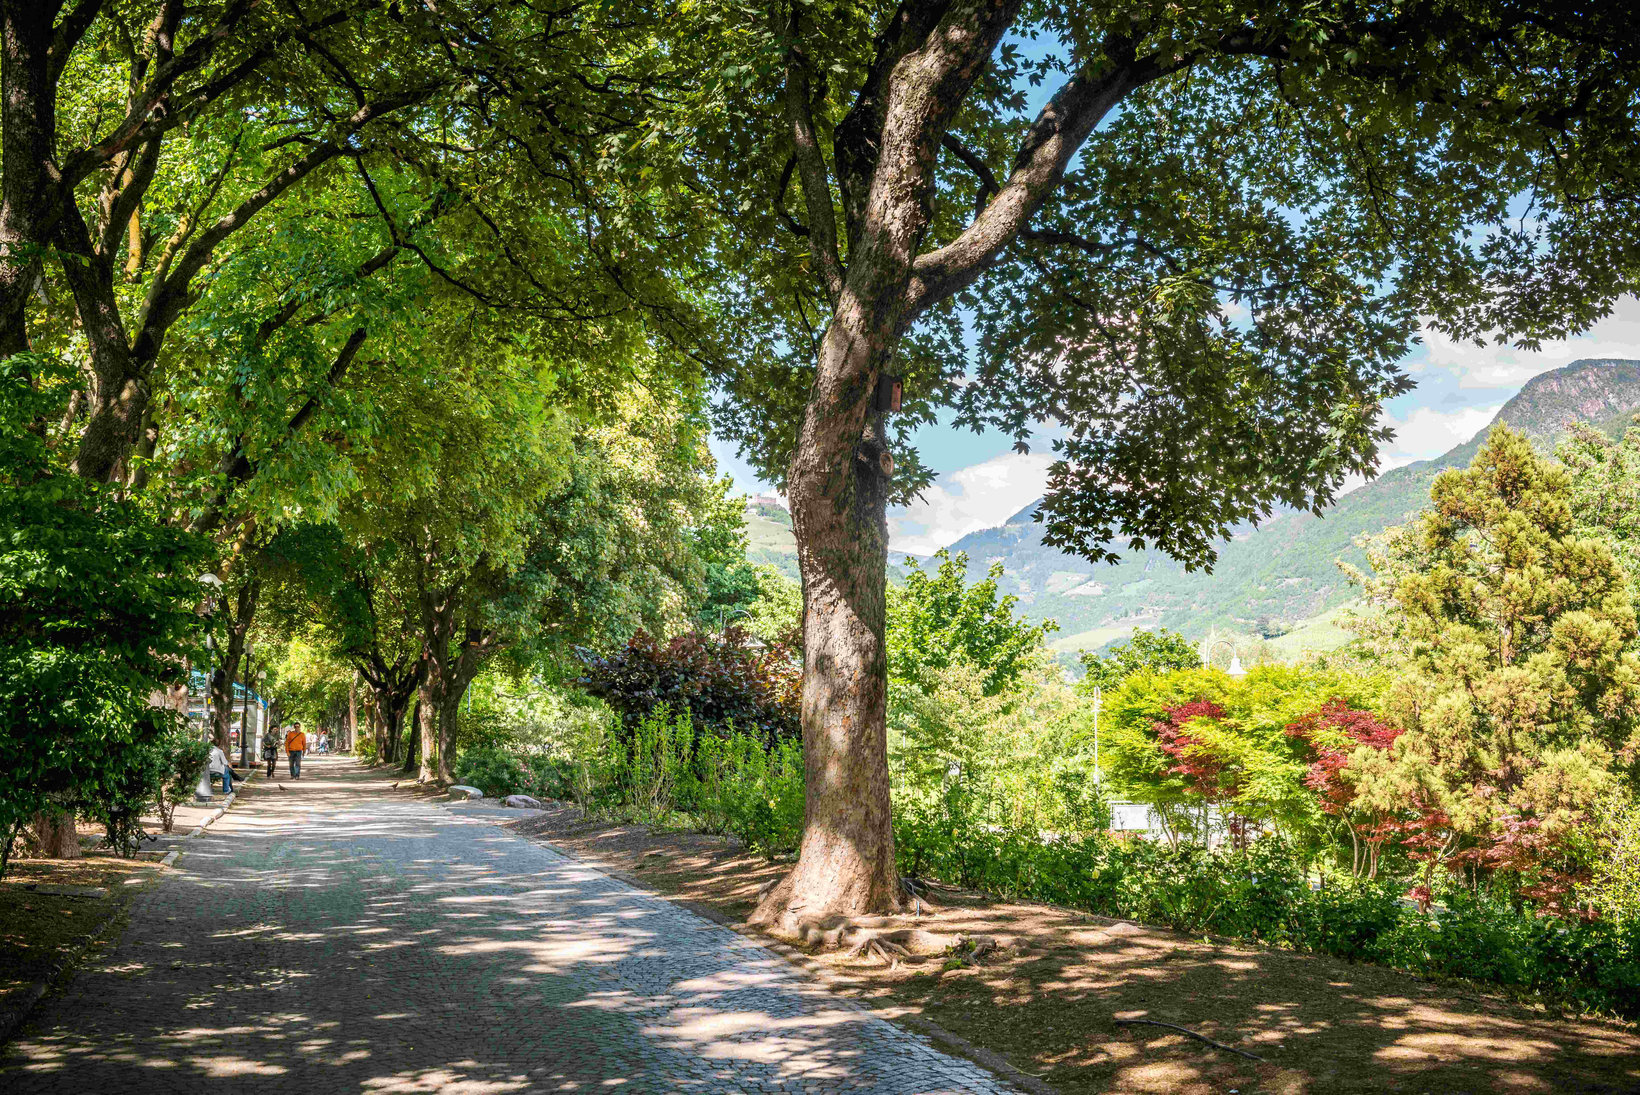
x=327, y=936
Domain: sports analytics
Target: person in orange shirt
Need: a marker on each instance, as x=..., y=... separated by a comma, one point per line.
x=295, y=746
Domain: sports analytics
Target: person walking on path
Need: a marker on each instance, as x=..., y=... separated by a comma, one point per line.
x=295, y=746
x=220, y=767
x=270, y=748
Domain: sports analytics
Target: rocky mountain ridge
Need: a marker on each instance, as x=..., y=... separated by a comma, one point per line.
x=1283, y=572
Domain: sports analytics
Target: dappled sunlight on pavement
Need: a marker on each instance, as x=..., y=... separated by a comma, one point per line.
x=329, y=936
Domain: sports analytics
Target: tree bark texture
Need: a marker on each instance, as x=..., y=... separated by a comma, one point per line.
x=28, y=130
x=390, y=709
x=841, y=471
x=58, y=837
x=454, y=654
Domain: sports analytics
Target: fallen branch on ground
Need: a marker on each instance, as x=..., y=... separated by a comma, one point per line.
x=1193, y=1034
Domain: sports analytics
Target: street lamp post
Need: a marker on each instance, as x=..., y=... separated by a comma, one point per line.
x=245, y=715
x=1234, y=670
x=723, y=619
x=213, y=585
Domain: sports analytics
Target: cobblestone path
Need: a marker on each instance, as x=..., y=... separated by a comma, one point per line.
x=332, y=937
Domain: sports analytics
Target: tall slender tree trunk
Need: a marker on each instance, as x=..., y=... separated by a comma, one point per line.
x=416, y=746
x=440, y=703
x=427, y=769
x=449, y=722
x=239, y=628
x=352, y=714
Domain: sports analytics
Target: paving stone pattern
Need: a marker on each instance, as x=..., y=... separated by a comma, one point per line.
x=332, y=937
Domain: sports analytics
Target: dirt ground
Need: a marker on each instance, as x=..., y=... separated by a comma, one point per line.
x=38, y=931
x=1048, y=1001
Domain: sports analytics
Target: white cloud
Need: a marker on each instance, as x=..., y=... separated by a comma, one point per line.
x=1428, y=432
x=979, y=496
x=1618, y=335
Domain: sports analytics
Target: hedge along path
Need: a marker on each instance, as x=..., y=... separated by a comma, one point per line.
x=1047, y=1000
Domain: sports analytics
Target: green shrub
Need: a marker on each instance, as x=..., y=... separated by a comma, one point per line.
x=1263, y=892
x=667, y=773
x=500, y=772
x=181, y=757
x=493, y=770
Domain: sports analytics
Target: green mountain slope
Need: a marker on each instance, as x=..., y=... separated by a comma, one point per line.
x=1284, y=571
x=769, y=539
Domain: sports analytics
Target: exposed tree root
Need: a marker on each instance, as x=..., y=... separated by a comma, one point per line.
x=1191, y=1033
x=888, y=952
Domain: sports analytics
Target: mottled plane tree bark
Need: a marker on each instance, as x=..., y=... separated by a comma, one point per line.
x=1198, y=252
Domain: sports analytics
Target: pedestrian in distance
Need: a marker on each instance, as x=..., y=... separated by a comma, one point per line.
x=295, y=746
x=270, y=748
x=220, y=767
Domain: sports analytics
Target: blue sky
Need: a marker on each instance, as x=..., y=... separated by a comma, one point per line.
x=1460, y=388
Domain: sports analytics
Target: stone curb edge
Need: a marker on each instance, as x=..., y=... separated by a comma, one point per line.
x=818, y=972
x=36, y=991
x=170, y=857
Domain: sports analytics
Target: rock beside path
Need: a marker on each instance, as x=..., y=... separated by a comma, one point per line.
x=461, y=791
x=523, y=802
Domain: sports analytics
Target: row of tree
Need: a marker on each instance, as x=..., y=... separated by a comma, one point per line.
x=1194, y=237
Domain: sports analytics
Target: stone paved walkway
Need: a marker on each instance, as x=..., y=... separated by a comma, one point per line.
x=331, y=937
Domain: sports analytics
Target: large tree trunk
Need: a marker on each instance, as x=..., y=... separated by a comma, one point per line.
x=441, y=708
x=423, y=763
x=427, y=757
x=449, y=716
x=28, y=129
x=839, y=493
x=390, y=706
x=55, y=831
x=352, y=714
x=886, y=149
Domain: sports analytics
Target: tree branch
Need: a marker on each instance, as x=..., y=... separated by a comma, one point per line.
x=855, y=141
x=171, y=294
x=237, y=466
x=69, y=31
x=811, y=165
x=1053, y=138
x=138, y=125
x=786, y=218
x=972, y=160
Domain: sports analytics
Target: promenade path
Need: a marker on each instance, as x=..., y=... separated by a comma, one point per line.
x=335, y=937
